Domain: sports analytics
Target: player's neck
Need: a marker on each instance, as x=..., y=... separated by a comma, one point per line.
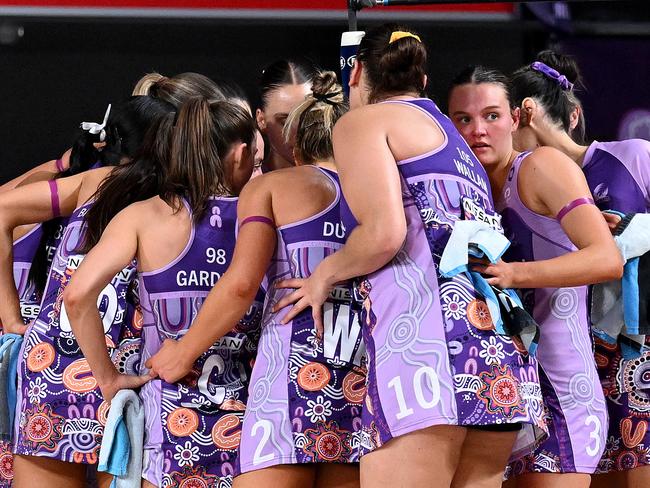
x=562, y=141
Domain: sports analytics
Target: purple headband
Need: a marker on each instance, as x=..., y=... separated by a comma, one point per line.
x=552, y=74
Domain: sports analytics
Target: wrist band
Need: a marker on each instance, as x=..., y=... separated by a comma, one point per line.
x=571, y=205
x=54, y=197
x=257, y=218
x=59, y=165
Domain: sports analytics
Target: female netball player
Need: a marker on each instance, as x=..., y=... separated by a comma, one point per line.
x=283, y=86
x=60, y=410
x=183, y=242
x=304, y=410
x=618, y=176
x=395, y=154
x=559, y=242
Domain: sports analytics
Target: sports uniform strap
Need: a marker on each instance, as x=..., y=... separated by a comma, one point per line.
x=54, y=198
x=571, y=205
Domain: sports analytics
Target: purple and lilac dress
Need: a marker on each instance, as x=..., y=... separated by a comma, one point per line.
x=618, y=174
x=24, y=250
x=193, y=427
x=434, y=357
x=306, y=394
x=575, y=406
x=60, y=412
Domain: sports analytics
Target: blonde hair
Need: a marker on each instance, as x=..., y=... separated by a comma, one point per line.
x=143, y=86
x=315, y=117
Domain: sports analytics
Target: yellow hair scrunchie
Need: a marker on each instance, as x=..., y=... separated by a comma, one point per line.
x=397, y=35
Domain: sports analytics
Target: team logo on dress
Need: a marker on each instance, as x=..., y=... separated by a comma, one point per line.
x=601, y=193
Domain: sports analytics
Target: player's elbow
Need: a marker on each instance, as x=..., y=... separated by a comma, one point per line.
x=387, y=240
x=244, y=289
x=613, y=268
x=75, y=297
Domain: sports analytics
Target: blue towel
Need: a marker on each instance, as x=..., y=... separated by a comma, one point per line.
x=633, y=240
x=475, y=238
x=478, y=239
x=122, y=446
x=10, y=345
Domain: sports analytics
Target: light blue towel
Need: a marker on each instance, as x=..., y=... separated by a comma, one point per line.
x=475, y=238
x=478, y=239
x=11, y=344
x=615, y=305
x=122, y=446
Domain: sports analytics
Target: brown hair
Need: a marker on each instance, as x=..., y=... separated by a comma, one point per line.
x=558, y=102
x=314, y=119
x=203, y=134
x=144, y=176
x=177, y=89
x=392, y=67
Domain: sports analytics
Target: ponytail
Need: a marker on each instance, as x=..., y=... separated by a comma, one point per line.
x=203, y=135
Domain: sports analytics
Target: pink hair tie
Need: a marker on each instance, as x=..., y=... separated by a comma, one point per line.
x=59, y=165
x=571, y=205
x=257, y=218
x=54, y=197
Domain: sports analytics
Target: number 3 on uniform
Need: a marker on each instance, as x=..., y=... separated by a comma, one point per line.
x=426, y=373
x=594, y=435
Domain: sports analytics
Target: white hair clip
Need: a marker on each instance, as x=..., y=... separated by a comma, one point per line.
x=95, y=128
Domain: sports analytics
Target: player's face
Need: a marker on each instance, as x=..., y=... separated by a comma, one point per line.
x=279, y=104
x=482, y=115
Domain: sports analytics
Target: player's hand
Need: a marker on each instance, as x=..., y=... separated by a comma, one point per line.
x=170, y=363
x=310, y=292
x=612, y=220
x=499, y=274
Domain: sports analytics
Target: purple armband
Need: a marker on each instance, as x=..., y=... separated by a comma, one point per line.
x=54, y=197
x=571, y=205
x=257, y=218
x=59, y=165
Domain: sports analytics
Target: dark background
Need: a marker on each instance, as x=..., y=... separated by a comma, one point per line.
x=64, y=71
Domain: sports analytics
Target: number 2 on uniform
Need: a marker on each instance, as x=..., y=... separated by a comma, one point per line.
x=433, y=386
x=267, y=428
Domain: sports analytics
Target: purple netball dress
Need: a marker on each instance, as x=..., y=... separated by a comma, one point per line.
x=60, y=412
x=306, y=394
x=433, y=355
x=193, y=427
x=575, y=406
x=618, y=174
x=24, y=250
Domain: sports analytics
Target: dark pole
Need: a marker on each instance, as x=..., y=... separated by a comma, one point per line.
x=352, y=15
